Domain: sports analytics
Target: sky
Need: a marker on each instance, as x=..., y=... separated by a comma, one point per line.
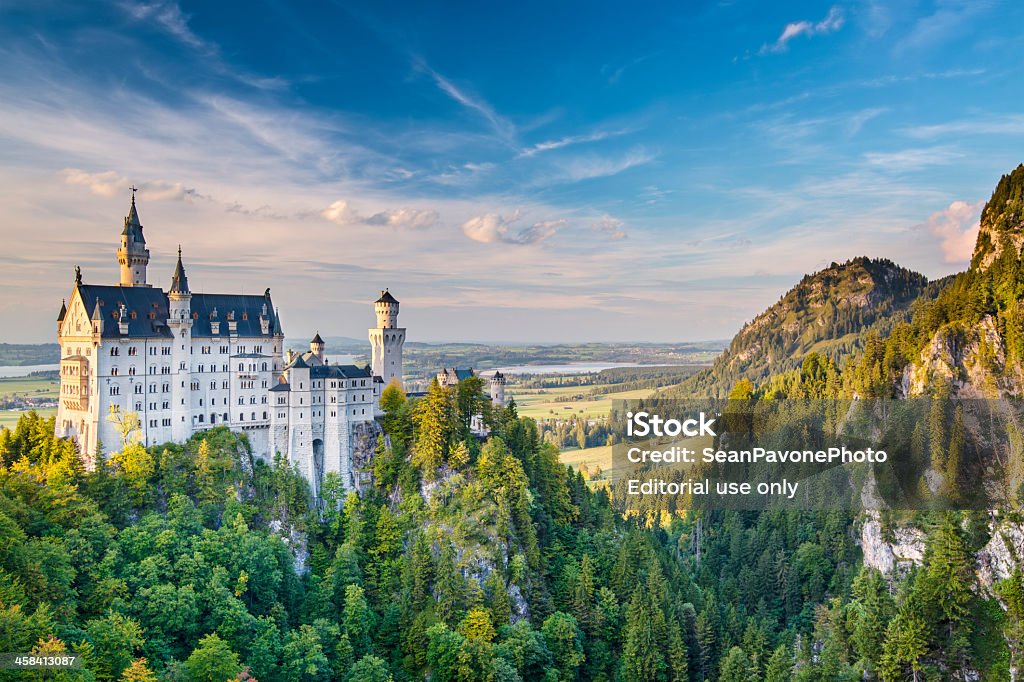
x=513, y=172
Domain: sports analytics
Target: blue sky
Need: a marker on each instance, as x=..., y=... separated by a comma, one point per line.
x=512, y=171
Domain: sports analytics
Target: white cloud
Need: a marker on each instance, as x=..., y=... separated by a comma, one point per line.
x=956, y=227
x=492, y=228
x=111, y=183
x=611, y=227
x=341, y=213
x=830, y=24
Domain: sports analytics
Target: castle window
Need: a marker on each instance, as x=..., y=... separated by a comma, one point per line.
x=241, y=417
x=200, y=419
x=265, y=415
x=152, y=350
x=132, y=350
x=113, y=371
x=225, y=416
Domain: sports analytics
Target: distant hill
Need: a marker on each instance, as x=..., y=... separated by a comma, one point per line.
x=827, y=312
x=22, y=354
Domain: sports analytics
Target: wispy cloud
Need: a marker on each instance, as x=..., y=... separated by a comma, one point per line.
x=568, y=141
x=493, y=228
x=858, y=119
x=912, y=159
x=501, y=126
x=956, y=227
x=830, y=24
x=1010, y=124
x=611, y=228
x=168, y=15
x=582, y=168
x=341, y=213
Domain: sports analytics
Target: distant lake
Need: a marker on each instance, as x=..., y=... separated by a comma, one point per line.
x=25, y=370
x=571, y=368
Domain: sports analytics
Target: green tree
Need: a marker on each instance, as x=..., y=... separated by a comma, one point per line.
x=565, y=642
x=212, y=661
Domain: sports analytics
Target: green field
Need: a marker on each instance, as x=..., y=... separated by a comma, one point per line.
x=26, y=387
x=29, y=387
x=9, y=418
x=544, y=403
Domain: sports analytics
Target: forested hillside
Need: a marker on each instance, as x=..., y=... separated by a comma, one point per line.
x=828, y=313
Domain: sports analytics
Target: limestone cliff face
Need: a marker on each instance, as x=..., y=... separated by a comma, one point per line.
x=1002, y=221
x=969, y=359
x=364, y=445
x=900, y=548
x=891, y=552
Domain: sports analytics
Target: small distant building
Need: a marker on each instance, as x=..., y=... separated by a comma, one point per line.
x=452, y=376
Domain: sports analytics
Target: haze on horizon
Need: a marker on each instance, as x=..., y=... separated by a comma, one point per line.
x=528, y=173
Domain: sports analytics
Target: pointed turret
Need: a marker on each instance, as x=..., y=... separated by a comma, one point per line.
x=179, y=283
x=97, y=318
x=63, y=310
x=132, y=224
x=277, y=330
x=133, y=256
x=316, y=347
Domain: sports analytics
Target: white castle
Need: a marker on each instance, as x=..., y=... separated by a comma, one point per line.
x=185, y=362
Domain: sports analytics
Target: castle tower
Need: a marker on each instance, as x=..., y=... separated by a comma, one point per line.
x=498, y=389
x=133, y=254
x=179, y=321
x=387, y=340
x=316, y=347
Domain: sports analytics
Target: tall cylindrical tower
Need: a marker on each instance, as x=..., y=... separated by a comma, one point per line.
x=387, y=340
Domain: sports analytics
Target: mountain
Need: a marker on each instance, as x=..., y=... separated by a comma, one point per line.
x=1002, y=221
x=827, y=313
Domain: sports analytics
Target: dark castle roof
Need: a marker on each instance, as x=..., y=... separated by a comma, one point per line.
x=148, y=304
x=339, y=372
x=245, y=308
x=386, y=297
x=317, y=339
x=150, y=308
x=132, y=225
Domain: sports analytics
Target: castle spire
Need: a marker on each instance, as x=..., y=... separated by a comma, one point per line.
x=133, y=256
x=179, y=283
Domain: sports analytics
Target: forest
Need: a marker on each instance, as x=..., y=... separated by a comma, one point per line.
x=464, y=561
